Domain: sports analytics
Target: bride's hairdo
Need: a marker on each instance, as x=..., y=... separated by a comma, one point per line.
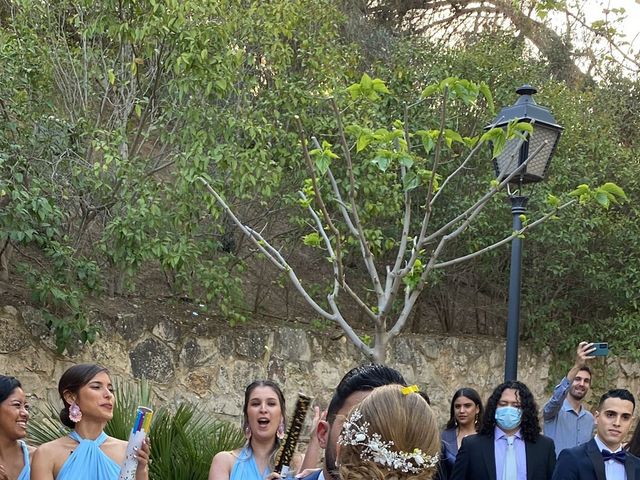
x=391, y=434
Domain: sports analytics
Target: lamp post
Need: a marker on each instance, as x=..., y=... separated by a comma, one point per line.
x=530, y=158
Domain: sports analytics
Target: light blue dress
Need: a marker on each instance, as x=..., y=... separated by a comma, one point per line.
x=25, y=474
x=88, y=461
x=245, y=467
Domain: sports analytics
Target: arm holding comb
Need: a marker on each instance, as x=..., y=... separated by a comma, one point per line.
x=290, y=441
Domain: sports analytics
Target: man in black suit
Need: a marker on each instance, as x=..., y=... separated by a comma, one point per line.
x=509, y=446
x=602, y=458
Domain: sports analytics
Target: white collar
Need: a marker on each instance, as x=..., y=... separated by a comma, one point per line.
x=602, y=446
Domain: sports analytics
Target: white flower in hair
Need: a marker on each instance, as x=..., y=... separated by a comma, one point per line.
x=380, y=451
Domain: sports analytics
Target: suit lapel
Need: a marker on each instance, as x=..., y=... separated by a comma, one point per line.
x=490, y=457
x=596, y=459
x=630, y=468
x=529, y=454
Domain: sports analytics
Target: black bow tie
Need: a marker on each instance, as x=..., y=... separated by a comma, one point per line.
x=619, y=456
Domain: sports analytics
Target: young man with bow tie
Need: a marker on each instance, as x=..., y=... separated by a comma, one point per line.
x=603, y=458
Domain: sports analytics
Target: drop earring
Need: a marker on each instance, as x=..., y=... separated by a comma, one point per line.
x=75, y=415
x=247, y=432
x=280, y=432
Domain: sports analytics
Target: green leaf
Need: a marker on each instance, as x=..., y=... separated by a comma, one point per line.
x=411, y=181
x=486, y=93
x=553, y=201
x=406, y=161
x=452, y=136
x=582, y=189
x=354, y=90
x=323, y=162
x=603, y=199
x=313, y=239
x=614, y=190
x=366, y=83
x=382, y=162
x=524, y=127
x=379, y=86
x=363, y=141
x=430, y=90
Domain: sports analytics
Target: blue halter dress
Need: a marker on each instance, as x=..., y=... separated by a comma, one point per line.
x=25, y=474
x=245, y=467
x=88, y=461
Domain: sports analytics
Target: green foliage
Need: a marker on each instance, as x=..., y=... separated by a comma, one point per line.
x=114, y=108
x=111, y=109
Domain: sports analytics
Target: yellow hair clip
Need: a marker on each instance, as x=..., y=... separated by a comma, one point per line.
x=410, y=389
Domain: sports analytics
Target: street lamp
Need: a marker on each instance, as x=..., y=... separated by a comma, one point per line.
x=529, y=158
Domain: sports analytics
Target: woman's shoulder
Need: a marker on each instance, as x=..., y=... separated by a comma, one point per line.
x=222, y=464
x=53, y=446
x=227, y=458
x=51, y=451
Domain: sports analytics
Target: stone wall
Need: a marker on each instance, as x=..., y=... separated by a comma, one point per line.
x=211, y=364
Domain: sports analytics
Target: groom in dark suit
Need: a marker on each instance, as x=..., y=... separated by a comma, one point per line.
x=509, y=446
x=602, y=458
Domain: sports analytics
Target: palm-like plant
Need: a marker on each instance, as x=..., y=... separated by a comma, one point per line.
x=183, y=441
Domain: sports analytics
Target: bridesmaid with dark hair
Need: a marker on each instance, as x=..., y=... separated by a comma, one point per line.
x=14, y=415
x=87, y=452
x=465, y=419
x=264, y=426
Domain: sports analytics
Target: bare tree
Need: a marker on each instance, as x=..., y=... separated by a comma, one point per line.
x=337, y=215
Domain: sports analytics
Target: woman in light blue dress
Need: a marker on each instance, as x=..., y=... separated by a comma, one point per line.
x=87, y=453
x=263, y=424
x=14, y=415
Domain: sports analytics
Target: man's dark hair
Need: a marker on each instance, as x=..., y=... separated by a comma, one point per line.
x=621, y=393
x=529, y=426
x=362, y=379
x=584, y=368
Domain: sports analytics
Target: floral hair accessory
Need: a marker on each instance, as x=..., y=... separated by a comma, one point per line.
x=380, y=451
x=410, y=389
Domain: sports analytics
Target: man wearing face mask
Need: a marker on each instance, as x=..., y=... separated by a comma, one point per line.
x=509, y=446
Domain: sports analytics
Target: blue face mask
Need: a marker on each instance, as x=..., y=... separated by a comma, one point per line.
x=508, y=418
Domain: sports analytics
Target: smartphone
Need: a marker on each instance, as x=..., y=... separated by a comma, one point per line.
x=602, y=349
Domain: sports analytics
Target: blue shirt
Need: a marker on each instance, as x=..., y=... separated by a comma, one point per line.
x=500, y=446
x=561, y=422
x=613, y=470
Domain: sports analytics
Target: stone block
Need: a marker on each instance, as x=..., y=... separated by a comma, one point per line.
x=152, y=360
x=128, y=326
x=292, y=344
x=252, y=344
x=14, y=336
